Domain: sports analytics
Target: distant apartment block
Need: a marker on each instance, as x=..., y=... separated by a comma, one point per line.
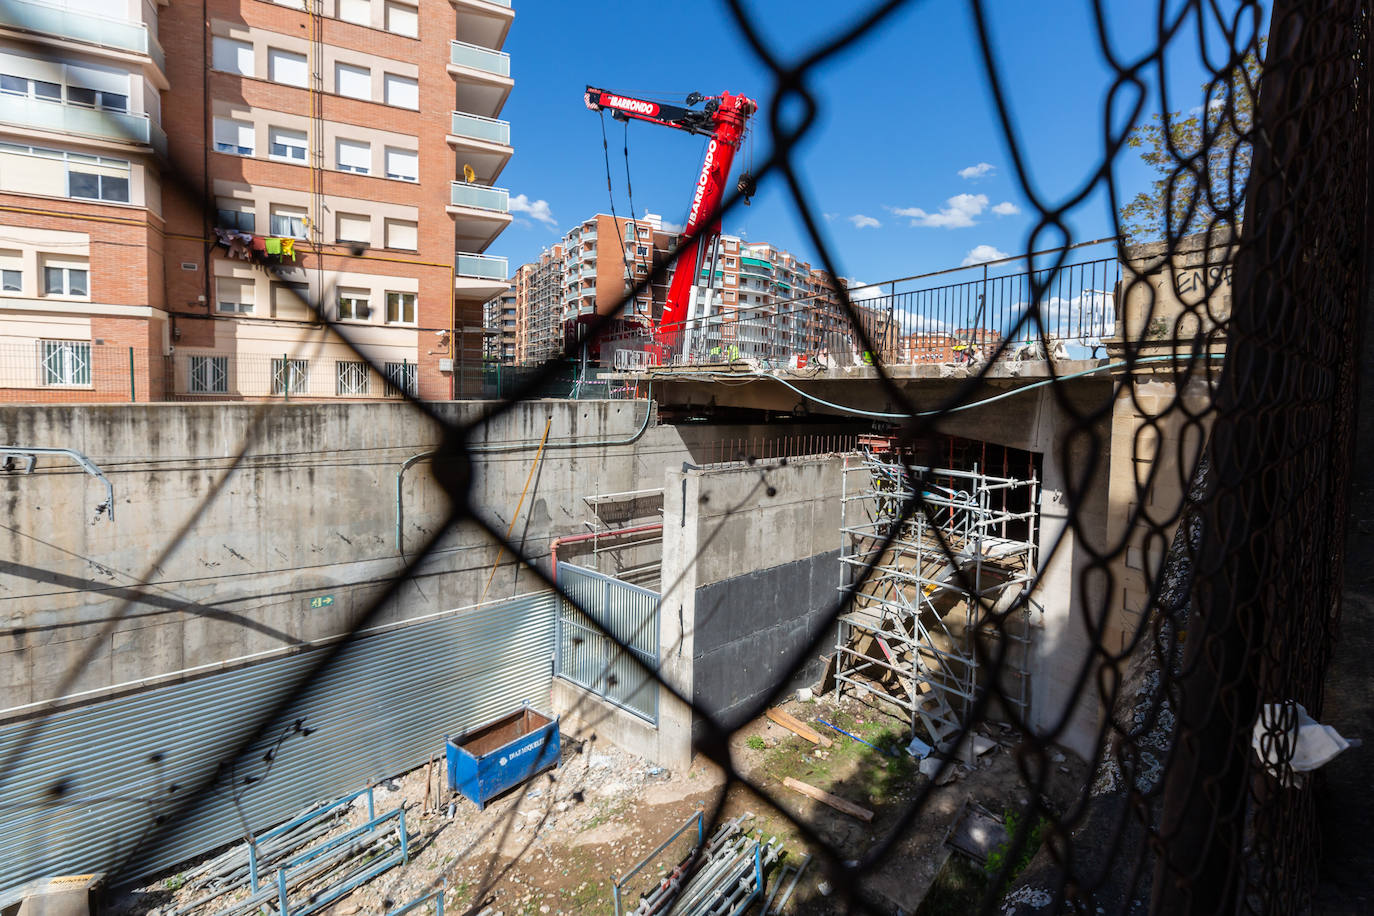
x=500, y=321
x=179, y=180
x=748, y=293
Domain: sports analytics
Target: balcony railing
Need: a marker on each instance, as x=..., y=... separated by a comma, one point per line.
x=480, y=128
x=462, y=194
x=482, y=266
x=73, y=119
x=35, y=16
x=479, y=58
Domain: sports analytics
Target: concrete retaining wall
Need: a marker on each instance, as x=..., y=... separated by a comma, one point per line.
x=214, y=558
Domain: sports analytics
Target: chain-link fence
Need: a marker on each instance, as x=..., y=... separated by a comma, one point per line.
x=1196, y=502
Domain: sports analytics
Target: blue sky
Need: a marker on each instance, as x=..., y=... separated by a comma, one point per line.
x=907, y=166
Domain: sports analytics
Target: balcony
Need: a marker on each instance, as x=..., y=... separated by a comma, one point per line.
x=479, y=214
x=40, y=114
x=482, y=266
x=484, y=143
x=479, y=277
x=103, y=31
x=474, y=57
x=482, y=76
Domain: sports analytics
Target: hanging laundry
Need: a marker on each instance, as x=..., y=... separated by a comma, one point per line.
x=273, y=246
x=288, y=249
x=239, y=243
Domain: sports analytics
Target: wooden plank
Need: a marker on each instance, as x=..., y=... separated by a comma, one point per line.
x=834, y=801
x=797, y=726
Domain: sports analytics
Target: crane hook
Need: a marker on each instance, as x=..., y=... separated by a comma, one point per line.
x=747, y=186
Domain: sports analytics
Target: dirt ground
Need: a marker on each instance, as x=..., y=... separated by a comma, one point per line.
x=556, y=844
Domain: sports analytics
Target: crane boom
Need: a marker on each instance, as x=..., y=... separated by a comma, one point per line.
x=723, y=119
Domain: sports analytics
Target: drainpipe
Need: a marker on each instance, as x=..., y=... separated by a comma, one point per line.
x=591, y=536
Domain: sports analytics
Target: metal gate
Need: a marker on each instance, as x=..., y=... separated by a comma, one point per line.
x=102, y=787
x=588, y=658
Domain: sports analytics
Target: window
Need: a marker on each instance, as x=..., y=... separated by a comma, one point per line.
x=234, y=137
x=38, y=89
x=402, y=233
x=234, y=295
x=403, y=164
x=65, y=362
x=96, y=98
x=354, y=305
x=641, y=251
x=286, y=67
x=233, y=218
x=729, y=262
x=233, y=56
x=97, y=178
x=208, y=374
x=351, y=377
x=290, y=300
x=286, y=144
x=290, y=376
x=294, y=4
x=354, y=156
x=400, y=377
x=402, y=91
x=359, y=11
x=354, y=227
x=65, y=281
x=354, y=82
x=11, y=281
x=288, y=222
x=400, y=308
x=402, y=18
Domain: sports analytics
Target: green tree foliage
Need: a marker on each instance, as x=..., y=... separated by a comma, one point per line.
x=1201, y=162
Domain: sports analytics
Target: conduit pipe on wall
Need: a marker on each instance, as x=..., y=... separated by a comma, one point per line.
x=519, y=446
x=29, y=453
x=592, y=536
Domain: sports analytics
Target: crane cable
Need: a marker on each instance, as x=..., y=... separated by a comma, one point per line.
x=610, y=192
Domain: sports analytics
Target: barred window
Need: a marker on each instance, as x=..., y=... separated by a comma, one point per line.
x=65, y=362
x=290, y=376
x=400, y=377
x=208, y=375
x=351, y=377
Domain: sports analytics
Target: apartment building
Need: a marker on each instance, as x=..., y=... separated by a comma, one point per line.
x=538, y=308
x=269, y=157
x=81, y=217
x=499, y=321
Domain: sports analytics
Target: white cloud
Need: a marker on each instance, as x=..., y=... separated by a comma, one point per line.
x=1006, y=208
x=829, y=216
x=957, y=213
x=675, y=228
x=536, y=209
x=863, y=222
x=982, y=253
x=981, y=170
x=859, y=291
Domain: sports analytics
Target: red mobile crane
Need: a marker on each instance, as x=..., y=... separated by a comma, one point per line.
x=723, y=119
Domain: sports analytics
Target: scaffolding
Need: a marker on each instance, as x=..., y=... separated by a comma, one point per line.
x=953, y=587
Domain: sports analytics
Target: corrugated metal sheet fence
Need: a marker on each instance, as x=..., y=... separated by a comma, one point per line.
x=589, y=659
x=92, y=783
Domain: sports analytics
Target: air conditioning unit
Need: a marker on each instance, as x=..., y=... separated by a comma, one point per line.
x=445, y=365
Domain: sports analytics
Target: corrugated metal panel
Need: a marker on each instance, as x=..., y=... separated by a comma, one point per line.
x=589, y=659
x=91, y=783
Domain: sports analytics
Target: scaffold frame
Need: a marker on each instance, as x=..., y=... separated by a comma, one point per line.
x=962, y=569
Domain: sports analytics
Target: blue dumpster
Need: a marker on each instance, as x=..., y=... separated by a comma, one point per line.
x=488, y=760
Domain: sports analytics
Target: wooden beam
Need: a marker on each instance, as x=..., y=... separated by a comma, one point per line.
x=797, y=726
x=834, y=801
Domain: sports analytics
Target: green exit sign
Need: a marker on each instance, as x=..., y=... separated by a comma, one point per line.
x=322, y=601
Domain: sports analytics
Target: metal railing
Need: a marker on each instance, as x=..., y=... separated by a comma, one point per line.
x=480, y=128
x=479, y=58
x=462, y=194
x=105, y=31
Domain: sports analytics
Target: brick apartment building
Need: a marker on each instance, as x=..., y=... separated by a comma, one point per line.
x=174, y=178
x=758, y=297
